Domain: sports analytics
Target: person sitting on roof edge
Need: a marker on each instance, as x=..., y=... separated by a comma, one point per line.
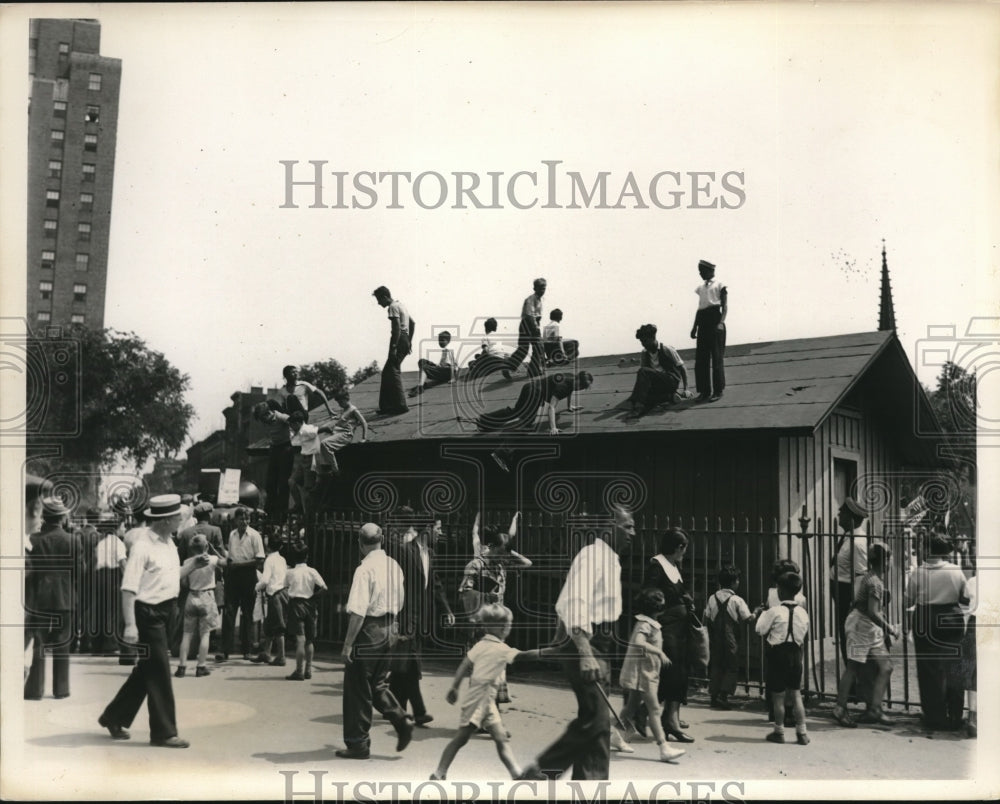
x=557, y=350
x=445, y=370
x=661, y=372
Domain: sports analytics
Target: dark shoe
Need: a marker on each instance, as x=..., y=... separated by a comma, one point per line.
x=307, y=675
x=170, y=742
x=703, y=398
x=680, y=736
x=721, y=703
x=423, y=720
x=277, y=663
x=971, y=730
x=221, y=657
x=247, y=658
x=201, y=670
x=876, y=717
x=180, y=671
x=117, y=732
x=775, y=737
x=843, y=717
x=126, y=661
x=296, y=676
x=61, y=695
x=261, y=658
x=802, y=738
x=404, y=732
x=715, y=397
x=353, y=753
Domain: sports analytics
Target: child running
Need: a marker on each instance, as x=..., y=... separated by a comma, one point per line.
x=304, y=584
x=724, y=612
x=484, y=663
x=785, y=627
x=640, y=674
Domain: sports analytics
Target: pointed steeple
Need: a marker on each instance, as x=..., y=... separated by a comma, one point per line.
x=886, y=314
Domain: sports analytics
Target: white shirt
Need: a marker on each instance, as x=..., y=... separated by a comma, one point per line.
x=131, y=535
x=153, y=570
x=774, y=624
x=551, y=331
x=936, y=582
x=593, y=589
x=397, y=310
x=273, y=578
x=774, y=600
x=732, y=603
x=492, y=347
x=844, y=559
x=303, y=581
x=489, y=657
x=377, y=587
x=709, y=293
x=307, y=437
x=245, y=547
x=301, y=392
x=109, y=551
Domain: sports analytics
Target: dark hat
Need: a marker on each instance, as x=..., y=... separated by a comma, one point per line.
x=204, y=508
x=855, y=509
x=54, y=506
x=705, y=264
x=163, y=506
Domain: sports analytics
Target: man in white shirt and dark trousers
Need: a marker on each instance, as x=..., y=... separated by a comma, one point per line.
x=246, y=556
x=588, y=608
x=710, y=331
x=375, y=598
x=150, y=586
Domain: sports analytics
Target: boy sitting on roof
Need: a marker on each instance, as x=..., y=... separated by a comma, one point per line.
x=556, y=349
x=661, y=372
x=445, y=370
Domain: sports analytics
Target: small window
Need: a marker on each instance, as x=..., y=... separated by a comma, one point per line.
x=59, y=108
x=83, y=231
x=79, y=292
x=76, y=318
x=58, y=136
x=88, y=172
x=92, y=115
x=55, y=168
x=94, y=84
x=44, y=315
x=45, y=288
x=50, y=226
x=86, y=200
x=48, y=259
x=90, y=142
x=52, y=198
x=82, y=262
x=63, y=48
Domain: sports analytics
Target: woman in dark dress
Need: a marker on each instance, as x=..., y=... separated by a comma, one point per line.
x=663, y=573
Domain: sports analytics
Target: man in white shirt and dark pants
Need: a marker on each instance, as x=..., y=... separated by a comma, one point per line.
x=588, y=608
x=150, y=586
x=375, y=598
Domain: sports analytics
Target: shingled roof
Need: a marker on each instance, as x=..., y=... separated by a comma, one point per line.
x=790, y=385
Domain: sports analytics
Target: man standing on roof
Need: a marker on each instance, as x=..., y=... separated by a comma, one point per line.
x=661, y=372
x=710, y=331
x=391, y=399
x=529, y=334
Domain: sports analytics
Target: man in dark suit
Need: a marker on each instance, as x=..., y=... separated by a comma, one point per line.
x=54, y=569
x=416, y=620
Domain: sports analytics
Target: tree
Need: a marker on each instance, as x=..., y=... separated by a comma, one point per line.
x=112, y=398
x=330, y=376
x=364, y=373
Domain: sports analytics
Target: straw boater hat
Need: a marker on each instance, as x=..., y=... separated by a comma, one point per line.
x=163, y=506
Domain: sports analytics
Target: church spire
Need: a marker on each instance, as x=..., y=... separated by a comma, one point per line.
x=886, y=314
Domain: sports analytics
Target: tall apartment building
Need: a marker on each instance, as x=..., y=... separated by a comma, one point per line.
x=72, y=132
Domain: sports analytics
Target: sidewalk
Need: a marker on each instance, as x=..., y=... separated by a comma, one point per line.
x=246, y=723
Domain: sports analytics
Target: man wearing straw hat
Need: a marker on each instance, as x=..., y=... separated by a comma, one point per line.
x=150, y=586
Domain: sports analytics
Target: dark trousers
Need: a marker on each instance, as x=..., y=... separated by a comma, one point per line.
x=280, y=458
x=586, y=743
x=722, y=669
x=653, y=387
x=519, y=417
x=528, y=337
x=433, y=372
x=404, y=680
x=366, y=684
x=57, y=637
x=937, y=639
x=240, y=596
x=150, y=678
x=709, y=350
x=106, y=608
x=391, y=398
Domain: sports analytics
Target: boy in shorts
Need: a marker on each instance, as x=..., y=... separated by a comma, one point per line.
x=785, y=627
x=484, y=663
x=201, y=614
x=304, y=584
x=273, y=583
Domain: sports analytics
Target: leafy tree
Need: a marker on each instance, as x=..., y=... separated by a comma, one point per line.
x=365, y=372
x=330, y=375
x=112, y=398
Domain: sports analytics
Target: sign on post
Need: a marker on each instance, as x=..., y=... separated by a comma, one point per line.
x=229, y=487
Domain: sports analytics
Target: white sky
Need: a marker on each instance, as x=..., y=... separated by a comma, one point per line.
x=850, y=124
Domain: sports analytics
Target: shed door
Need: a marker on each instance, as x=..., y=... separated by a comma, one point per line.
x=845, y=475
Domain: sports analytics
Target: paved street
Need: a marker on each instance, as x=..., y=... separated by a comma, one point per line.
x=246, y=723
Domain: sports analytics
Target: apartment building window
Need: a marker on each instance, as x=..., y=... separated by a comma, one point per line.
x=64, y=48
x=79, y=292
x=90, y=142
x=86, y=200
x=59, y=108
x=83, y=231
x=92, y=115
x=88, y=172
x=50, y=226
x=94, y=84
x=48, y=259
x=82, y=262
x=57, y=137
x=45, y=287
x=55, y=168
x=44, y=315
x=76, y=318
